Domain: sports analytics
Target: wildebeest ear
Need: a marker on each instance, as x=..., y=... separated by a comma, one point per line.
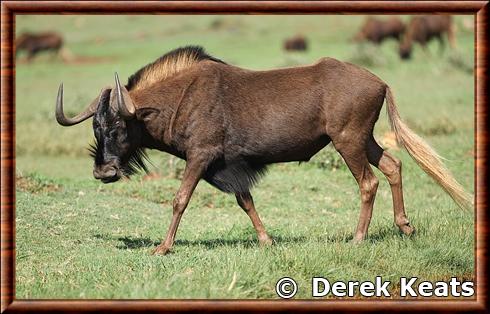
x=121, y=101
x=146, y=114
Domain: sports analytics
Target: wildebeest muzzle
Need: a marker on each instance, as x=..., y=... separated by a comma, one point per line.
x=107, y=173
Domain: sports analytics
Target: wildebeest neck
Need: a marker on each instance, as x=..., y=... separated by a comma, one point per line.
x=160, y=108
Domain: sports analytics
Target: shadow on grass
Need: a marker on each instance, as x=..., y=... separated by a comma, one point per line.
x=379, y=235
x=132, y=243
x=138, y=243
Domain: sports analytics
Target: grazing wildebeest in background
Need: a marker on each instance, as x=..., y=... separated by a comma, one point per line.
x=296, y=43
x=229, y=123
x=376, y=30
x=34, y=43
x=422, y=29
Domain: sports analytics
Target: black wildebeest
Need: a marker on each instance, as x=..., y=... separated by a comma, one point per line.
x=229, y=123
x=296, y=43
x=422, y=29
x=34, y=43
x=376, y=30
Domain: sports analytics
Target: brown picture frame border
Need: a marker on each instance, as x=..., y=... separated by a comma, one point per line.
x=480, y=9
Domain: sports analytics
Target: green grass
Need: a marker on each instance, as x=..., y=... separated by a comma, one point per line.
x=78, y=238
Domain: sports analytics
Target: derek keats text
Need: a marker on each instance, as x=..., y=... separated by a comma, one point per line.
x=407, y=287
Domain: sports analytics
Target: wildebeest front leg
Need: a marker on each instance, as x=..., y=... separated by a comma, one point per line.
x=246, y=202
x=192, y=174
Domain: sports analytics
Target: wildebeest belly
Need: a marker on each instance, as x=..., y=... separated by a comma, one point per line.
x=239, y=170
x=243, y=165
x=281, y=135
x=253, y=144
x=288, y=149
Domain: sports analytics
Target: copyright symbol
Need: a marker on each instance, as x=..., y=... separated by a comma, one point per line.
x=286, y=288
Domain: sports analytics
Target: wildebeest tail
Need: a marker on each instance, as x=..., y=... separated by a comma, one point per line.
x=425, y=156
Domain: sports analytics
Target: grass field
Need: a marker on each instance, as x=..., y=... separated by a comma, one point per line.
x=78, y=238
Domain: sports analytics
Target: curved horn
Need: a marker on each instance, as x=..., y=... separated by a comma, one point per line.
x=63, y=120
x=124, y=102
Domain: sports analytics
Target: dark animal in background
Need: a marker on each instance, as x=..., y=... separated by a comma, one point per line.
x=376, y=31
x=423, y=29
x=296, y=43
x=229, y=123
x=34, y=43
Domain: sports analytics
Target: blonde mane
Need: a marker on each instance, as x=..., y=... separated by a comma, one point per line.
x=167, y=66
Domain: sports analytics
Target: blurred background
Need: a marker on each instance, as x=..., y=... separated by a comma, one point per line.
x=79, y=238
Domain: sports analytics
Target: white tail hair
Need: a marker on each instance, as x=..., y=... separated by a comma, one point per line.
x=425, y=156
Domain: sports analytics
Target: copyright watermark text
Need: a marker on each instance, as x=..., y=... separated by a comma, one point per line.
x=287, y=288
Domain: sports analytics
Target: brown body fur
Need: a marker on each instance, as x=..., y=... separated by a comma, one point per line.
x=229, y=123
x=376, y=31
x=34, y=43
x=296, y=43
x=423, y=29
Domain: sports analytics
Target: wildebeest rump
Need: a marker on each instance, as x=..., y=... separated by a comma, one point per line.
x=34, y=43
x=376, y=30
x=422, y=29
x=296, y=43
x=229, y=123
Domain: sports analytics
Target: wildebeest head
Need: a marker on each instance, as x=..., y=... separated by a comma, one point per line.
x=405, y=51
x=363, y=33
x=21, y=41
x=117, y=151
x=405, y=48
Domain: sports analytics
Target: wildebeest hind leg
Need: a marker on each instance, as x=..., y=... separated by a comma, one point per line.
x=391, y=167
x=54, y=55
x=30, y=56
x=246, y=202
x=192, y=174
x=441, y=44
x=425, y=49
x=356, y=159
